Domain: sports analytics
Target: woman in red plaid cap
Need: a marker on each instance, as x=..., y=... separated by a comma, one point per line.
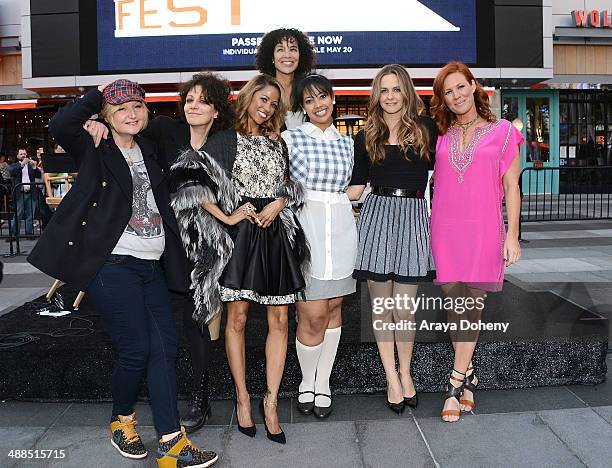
x=205, y=108
x=109, y=237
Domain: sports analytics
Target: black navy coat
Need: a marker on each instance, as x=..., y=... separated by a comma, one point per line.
x=92, y=216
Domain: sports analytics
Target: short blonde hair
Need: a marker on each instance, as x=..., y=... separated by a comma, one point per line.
x=108, y=110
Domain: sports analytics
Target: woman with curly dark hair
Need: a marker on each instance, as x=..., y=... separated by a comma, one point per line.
x=205, y=108
x=287, y=55
x=240, y=193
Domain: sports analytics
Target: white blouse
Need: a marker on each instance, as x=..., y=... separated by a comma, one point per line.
x=327, y=216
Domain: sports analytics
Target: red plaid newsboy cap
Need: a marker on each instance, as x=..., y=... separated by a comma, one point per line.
x=122, y=91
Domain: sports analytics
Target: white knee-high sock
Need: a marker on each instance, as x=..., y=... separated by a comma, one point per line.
x=325, y=365
x=308, y=356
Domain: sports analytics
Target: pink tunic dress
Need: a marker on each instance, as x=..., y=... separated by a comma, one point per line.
x=467, y=226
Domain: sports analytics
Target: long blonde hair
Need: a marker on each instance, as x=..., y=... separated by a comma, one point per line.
x=411, y=133
x=257, y=83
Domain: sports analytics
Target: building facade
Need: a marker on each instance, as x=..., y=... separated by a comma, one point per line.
x=67, y=46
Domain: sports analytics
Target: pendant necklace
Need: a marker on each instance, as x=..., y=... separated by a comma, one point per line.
x=128, y=154
x=198, y=147
x=464, y=129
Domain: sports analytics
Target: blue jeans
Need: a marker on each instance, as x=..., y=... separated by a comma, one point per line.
x=131, y=296
x=24, y=209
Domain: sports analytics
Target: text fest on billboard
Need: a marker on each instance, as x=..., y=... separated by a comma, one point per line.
x=224, y=34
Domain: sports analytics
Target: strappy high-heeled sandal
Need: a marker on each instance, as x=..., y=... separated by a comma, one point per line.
x=471, y=381
x=453, y=392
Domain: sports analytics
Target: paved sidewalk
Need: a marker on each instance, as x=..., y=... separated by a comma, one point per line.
x=572, y=259
x=556, y=426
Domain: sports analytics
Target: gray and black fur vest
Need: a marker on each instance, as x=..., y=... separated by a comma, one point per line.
x=205, y=177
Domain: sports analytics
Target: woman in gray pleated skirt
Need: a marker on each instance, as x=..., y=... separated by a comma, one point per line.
x=394, y=154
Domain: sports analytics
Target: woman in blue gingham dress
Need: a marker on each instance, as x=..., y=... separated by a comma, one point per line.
x=394, y=154
x=322, y=160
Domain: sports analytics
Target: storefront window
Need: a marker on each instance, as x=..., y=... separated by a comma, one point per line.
x=510, y=108
x=585, y=127
x=351, y=106
x=537, y=129
x=24, y=127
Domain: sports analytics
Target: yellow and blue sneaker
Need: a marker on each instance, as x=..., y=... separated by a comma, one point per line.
x=125, y=438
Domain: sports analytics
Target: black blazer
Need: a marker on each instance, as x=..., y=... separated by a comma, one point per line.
x=171, y=136
x=92, y=216
x=222, y=147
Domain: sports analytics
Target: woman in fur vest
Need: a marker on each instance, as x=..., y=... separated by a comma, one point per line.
x=237, y=194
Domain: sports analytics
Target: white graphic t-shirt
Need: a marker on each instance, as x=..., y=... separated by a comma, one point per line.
x=143, y=236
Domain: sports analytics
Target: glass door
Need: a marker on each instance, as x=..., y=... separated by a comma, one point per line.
x=535, y=114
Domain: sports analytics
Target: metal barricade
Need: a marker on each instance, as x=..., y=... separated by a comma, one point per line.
x=566, y=193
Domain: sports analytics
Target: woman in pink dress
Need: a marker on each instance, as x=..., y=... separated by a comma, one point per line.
x=477, y=166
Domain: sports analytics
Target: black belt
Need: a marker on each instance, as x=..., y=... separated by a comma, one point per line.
x=398, y=192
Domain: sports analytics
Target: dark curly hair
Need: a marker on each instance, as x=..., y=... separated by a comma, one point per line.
x=217, y=91
x=265, y=51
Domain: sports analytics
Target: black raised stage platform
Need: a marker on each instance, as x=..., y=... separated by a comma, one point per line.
x=549, y=341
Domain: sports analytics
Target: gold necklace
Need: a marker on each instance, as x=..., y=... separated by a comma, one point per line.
x=464, y=129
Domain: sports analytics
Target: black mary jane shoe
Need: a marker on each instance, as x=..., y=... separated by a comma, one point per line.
x=306, y=407
x=278, y=438
x=249, y=431
x=322, y=412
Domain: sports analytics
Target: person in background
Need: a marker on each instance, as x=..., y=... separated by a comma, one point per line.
x=394, y=153
x=42, y=212
x=115, y=236
x=287, y=55
x=5, y=185
x=477, y=167
x=321, y=159
x=25, y=172
x=5, y=173
x=40, y=149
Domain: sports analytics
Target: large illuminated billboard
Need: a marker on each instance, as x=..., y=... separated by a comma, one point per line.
x=138, y=35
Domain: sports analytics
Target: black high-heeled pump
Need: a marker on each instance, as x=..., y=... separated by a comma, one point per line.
x=397, y=407
x=246, y=430
x=412, y=401
x=278, y=438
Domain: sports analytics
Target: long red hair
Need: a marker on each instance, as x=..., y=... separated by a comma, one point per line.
x=440, y=111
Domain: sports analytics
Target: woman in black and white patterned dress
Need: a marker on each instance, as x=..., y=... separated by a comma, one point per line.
x=241, y=186
x=394, y=154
